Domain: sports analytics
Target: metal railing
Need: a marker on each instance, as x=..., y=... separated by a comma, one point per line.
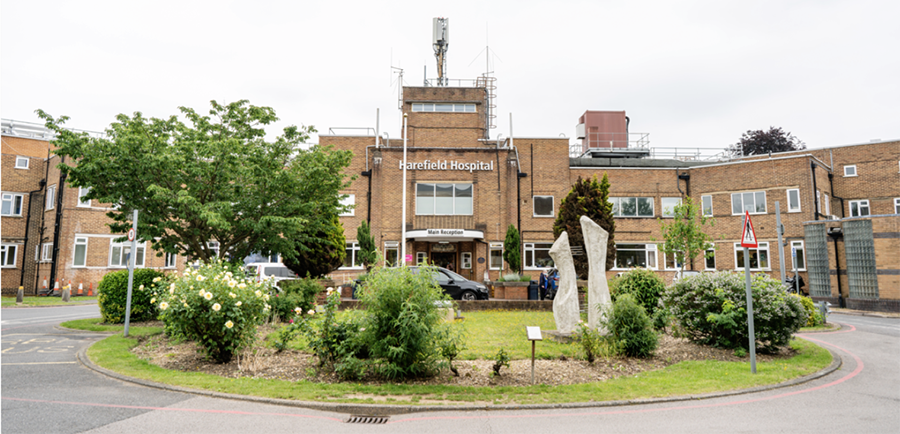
x=366, y=131
x=33, y=130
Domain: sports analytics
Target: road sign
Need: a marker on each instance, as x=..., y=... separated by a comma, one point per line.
x=131, y=234
x=748, y=236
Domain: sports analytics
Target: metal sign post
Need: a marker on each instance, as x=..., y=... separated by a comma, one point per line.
x=748, y=239
x=132, y=236
x=534, y=334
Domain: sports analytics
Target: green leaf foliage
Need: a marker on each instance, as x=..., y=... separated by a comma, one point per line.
x=644, y=285
x=368, y=255
x=628, y=322
x=512, y=249
x=320, y=253
x=112, y=294
x=294, y=293
x=591, y=198
x=197, y=178
x=684, y=234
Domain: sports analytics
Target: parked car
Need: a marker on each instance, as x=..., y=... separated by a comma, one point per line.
x=456, y=286
x=274, y=271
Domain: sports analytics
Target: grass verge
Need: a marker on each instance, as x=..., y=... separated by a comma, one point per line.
x=46, y=301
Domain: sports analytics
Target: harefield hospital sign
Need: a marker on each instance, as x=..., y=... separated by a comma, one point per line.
x=449, y=165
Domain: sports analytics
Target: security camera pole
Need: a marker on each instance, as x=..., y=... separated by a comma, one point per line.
x=748, y=239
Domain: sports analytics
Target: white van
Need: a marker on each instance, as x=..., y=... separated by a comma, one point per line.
x=269, y=270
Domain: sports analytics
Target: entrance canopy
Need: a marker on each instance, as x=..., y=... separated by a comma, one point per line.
x=438, y=235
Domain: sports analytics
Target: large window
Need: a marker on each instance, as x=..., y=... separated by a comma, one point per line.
x=22, y=162
x=798, y=254
x=673, y=260
x=8, y=255
x=632, y=206
x=793, y=200
x=496, y=256
x=707, y=205
x=352, y=258
x=668, y=206
x=392, y=254
x=350, y=200
x=543, y=206
x=80, y=259
x=753, y=201
x=443, y=108
x=443, y=199
x=82, y=202
x=120, y=254
x=759, y=257
x=710, y=259
x=537, y=255
x=636, y=255
x=859, y=208
x=51, y=197
x=12, y=204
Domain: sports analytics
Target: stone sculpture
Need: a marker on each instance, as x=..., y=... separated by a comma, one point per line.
x=595, y=244
x=565, y=304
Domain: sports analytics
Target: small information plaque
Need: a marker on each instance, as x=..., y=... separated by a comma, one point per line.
x=534, y=333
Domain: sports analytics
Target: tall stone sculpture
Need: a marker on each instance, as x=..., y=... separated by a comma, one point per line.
x=565, y=304
x=595, y=242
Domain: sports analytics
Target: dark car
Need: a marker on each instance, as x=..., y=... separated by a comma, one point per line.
x=456, y=286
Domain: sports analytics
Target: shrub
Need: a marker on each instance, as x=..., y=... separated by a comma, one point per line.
x=215, y=308
x=596, y=345
x=644, y=285
x=500, y=360
x=629, y=324
x=113, y=293
x=813, y=315
x=294, y=293
x=712, y=309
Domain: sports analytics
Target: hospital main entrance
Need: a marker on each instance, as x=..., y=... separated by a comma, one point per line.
x=444, y=259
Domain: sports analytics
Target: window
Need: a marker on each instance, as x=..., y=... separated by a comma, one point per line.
x=710, y=258
x=672, y=260
x=753, y=201
x=798, y=255
x=350, y=200
x=897, y=205
x=859, y=208
x=214, y=248
x=82, y=192
x=537, y=255
x=668, y=206
x=391, y=254
x=22, y=162
x=632, y=206
x=443, y=199
x=706, y=201
x=850, y=170
x=543, y=206
x=636, y=255
x=496, y=256
x=759, y=257
x=12, y=204
x=793, y=200
x=818, y=201
x=421, y=258
x=352, y=258
x=51, y=197
x=444, y=108
x=171, y=260
x=466, y=261
x=46, y=252
x=80, y=259
x=120, y=254
x=8, y=255
x=827, y=204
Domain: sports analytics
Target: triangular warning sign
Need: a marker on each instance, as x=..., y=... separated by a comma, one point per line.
x=748, y=236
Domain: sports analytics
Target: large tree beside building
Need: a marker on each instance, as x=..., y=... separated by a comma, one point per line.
x=196, y=179
x=590, y=198
x=762, y=142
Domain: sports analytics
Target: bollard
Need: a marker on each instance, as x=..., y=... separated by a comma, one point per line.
x=66, y=293
x=20, y=295
x=824, y=311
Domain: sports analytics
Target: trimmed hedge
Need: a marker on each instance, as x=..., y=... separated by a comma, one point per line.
x=113, y=293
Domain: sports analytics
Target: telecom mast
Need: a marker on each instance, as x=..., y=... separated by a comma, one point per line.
x=441, y=30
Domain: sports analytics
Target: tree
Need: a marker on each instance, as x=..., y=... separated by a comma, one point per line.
x=762, y=142
x=215, y=178
x=684, y=236
x=512, y=249
x=324, y=251
x=367, y=254
x=591, y=198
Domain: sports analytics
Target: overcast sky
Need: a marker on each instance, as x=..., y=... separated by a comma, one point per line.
x=690, y=73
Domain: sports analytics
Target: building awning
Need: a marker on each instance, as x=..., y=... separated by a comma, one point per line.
x=450, y=235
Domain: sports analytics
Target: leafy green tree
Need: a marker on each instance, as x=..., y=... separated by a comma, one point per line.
x=367, y=253
x=214, y=178
x=323, y=252
x=684, y=234
x=762, y=142
x=512, y=249
x=591, y=198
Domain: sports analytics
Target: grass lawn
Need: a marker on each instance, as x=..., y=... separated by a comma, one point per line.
x=47, y=301
x=487, y=331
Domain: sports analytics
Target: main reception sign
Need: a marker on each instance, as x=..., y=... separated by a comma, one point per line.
x=449, y=165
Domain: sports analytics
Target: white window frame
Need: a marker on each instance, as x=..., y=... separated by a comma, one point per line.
x=617, y=208
x=495, y=247
x=46, y=252
x=123, y=262
x=706, y=260
x=170, y=260
x=648, y=249
x=395, y=247
x=752, y=194
x=80, y=241
x=763, y=246
x=434, y=202
x=534, y=207
x=81, y=192
x=662, y=206
x=352, y=248
x=442, y=108
x=827, y=203
x=529, y=254
x=897, y=205
x=788, y=194
x=801, y=248
x=15, y=209
x=19, y=160
x=8, y=256
x=350, y=200
x=214, y=246
x=421, y=258
x=465, y=261
x=850, y=171
x=703, y=200
x=859, y=206
x=51, y=198
x=674, y=260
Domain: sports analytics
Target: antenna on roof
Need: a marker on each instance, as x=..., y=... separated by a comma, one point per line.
x=441, y=31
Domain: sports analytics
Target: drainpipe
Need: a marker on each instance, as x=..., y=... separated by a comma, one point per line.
x=831, y=181
x=42, y=184
x=815, y=197
x=58, y=223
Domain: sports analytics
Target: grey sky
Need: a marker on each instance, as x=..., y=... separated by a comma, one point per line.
x=690, y=73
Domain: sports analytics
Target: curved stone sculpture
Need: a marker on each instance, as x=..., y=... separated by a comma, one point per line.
x=565, y=304
x=595, y=244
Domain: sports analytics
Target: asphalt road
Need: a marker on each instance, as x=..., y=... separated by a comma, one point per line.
x=44, y=390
